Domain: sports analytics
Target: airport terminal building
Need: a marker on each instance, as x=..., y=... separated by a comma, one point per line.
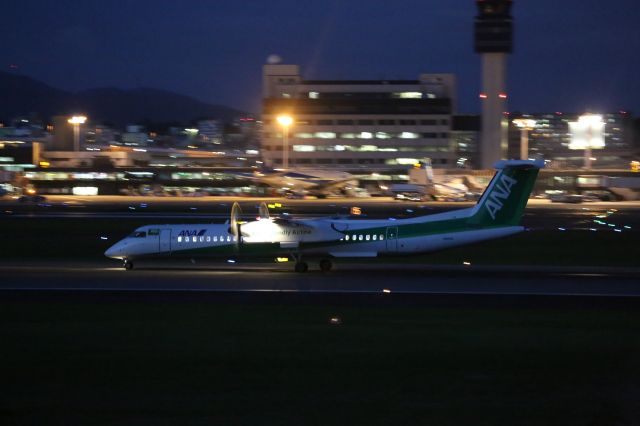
x=357, y=125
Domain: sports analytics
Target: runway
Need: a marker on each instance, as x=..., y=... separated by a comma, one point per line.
x=378, y=278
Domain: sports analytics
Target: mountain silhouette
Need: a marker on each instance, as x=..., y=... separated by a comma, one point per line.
x=22, y=96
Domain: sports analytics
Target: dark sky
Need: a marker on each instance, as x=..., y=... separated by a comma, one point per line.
x=570, y=55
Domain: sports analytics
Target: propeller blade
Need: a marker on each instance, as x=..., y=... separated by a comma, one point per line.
x=234, y=221
x=263, y=210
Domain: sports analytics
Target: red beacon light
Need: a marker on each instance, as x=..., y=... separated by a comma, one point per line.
x=483, y=96
x=502, y=96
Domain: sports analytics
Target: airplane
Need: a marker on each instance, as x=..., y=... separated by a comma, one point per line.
x=424, y=183
x=497, y=214
x=299, y=182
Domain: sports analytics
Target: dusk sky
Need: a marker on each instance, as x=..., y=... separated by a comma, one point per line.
x=570, y=55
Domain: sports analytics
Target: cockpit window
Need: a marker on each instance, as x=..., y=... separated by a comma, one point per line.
x=138, y=234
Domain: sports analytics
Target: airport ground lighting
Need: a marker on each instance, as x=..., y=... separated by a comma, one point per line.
x=587, y=133
x=525, y=124
x=285, y=121
x=77, y=120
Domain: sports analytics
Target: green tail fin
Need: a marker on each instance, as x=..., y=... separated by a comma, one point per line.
x=506, y=196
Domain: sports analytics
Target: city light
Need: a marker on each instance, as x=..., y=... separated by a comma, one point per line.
x=77, y=119
x=587, y=133
x=285, y=121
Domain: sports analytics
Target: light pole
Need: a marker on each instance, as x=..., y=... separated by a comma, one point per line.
x=587, y=133
x=525, y=124
x=285, y=121
x=77, y=120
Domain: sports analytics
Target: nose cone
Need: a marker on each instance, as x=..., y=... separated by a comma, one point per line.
x=115, y=251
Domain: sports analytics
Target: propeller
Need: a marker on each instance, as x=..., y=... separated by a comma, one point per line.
x=263, y=211
x=234, y=222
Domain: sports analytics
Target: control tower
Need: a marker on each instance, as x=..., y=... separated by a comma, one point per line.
x=493, y=41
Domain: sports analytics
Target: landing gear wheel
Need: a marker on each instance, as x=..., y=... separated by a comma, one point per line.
x=128, y=265
x=326, y=265
x=302, y=267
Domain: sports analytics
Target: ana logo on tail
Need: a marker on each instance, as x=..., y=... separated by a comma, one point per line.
x=500, y=192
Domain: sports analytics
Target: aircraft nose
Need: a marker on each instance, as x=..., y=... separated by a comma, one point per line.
x=114, y=251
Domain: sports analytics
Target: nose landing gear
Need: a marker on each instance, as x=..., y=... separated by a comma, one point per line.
x=127, y=264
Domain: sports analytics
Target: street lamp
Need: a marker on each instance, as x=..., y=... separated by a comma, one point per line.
x=525, y=124
x=285, y=121
x=77, y=120
x=587, y=133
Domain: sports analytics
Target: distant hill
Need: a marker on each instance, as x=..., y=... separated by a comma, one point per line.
x=24, y=96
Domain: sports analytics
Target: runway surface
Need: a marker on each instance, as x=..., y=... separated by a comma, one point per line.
x=378, y=278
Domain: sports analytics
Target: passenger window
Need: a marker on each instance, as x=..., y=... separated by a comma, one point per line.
x=179, y=239
x=228, y=238
x=194, y=239
x=375, y=237
x=208, y=238
x=201, y=239
x=360, y=238
x=367, y=237
x=346, y=237
x=381, y=237
x=215, y=239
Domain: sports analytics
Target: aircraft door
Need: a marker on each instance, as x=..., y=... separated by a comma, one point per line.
x=165, y=241
x=392, y=239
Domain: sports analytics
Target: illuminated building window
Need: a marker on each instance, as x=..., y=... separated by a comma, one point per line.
x=304, y=148
x=325, y=135
x=368, y=148
x=347, y=135
x=314, y=95
x=383, y=135
x=407, y=95
x=365, y=135
x=179, y=239
x=303, y=135
x=409, y=135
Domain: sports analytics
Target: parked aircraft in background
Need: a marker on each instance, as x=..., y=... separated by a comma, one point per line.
x=301, y=182
x=497, y=214
x=424, y=183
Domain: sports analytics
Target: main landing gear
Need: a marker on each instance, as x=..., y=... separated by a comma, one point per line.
x=325, y=265
x=301, y=266
x=128, y=265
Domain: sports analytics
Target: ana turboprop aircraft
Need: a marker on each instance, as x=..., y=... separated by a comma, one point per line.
x=497, y=214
